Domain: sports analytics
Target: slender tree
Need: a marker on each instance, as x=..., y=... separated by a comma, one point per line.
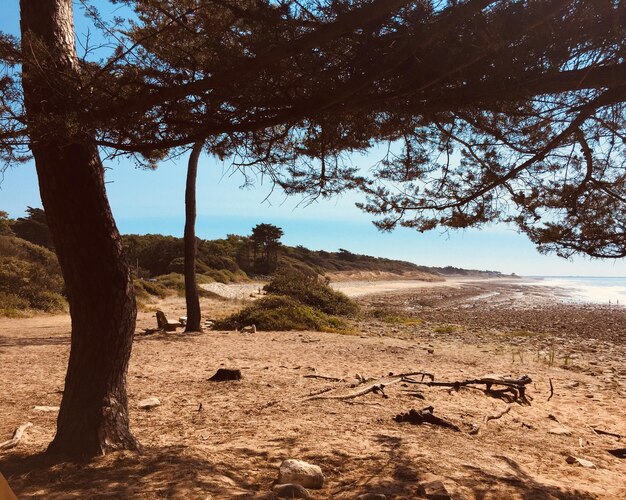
x=191, y=245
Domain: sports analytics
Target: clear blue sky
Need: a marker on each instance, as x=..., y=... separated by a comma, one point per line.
x=153, y=202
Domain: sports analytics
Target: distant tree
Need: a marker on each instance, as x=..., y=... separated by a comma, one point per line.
x=5, y=224
x=34, y=228
x=265, y=244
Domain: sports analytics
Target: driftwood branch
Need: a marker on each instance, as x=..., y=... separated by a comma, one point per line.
x=514, y=389
x=17, y=436
x=323, y=377
x=499, y=415
x=551, y=390
x=321, y=391
x=424, y=416
x=606, y=433
x=376, y=386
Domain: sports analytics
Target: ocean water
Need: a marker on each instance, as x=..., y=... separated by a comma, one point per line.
x=590, y=289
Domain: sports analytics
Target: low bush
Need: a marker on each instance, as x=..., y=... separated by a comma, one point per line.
x=153, y=288
x=221, y=275
x=12, y=301
x=308, y=289
x=175, y=283
x=279, y=313
x=30, y=277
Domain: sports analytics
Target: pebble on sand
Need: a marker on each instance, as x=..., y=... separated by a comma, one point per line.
x=302, y=473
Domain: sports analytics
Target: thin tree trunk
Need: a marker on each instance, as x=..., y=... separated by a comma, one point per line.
x=93, y=417
x=191, y=245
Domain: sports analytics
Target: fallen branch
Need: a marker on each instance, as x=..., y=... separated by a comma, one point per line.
x=551, y=390
x=324, y=377
x=499, y=415
x=424, y=416
x=607, y=433
x=17, y=436
x=321, y=391
x=516, y=388
x=377, y=386
x=618, y=453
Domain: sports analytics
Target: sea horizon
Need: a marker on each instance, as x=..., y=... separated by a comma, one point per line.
x=609, y=290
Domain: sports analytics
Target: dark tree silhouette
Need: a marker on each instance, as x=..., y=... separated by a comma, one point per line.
x=265, y=244
x=5, y=224
x=34, y=228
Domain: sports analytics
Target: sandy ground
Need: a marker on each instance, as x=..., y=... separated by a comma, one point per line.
x=226, y=440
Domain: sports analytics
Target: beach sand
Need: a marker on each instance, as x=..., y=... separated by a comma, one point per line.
x=226, y=440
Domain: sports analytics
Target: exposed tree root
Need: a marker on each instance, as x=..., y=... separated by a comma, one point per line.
x=514, y=389
x=618, y=453
x=425, y=416
x=499, y=415
x=551, y=390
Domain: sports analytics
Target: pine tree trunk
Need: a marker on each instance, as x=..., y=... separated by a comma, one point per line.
x=93, y=417
x=191, y=245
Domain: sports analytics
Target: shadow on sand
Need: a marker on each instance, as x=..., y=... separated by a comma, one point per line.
x=180, y=472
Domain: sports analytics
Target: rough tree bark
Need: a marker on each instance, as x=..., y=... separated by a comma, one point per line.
x=191, y=245
x=93, y=417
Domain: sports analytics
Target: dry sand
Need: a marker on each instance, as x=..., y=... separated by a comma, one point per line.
x=231, y=445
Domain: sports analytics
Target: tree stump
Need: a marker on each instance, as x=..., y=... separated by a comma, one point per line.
x=226, y=374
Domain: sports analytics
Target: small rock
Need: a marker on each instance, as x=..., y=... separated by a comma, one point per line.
x=580, y=461
x=432, y=487
x=560, y=431
x=302, y=473
x=148, y=403
x=474, y=430
x=372, y=496
x=291, y=491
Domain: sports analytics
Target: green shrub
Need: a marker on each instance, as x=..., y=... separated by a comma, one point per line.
x=30, y=276
x=13, y=313
x=12, y=301
x=48, y=301
x=172, y=281
x=308, y=289
x=175, y=283
x=141, y=294
x=153, y=288
x=445, y=329
x=281, y=313
x=221, y=275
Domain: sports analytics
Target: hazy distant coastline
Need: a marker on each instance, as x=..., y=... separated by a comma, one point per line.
x=585, y=289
